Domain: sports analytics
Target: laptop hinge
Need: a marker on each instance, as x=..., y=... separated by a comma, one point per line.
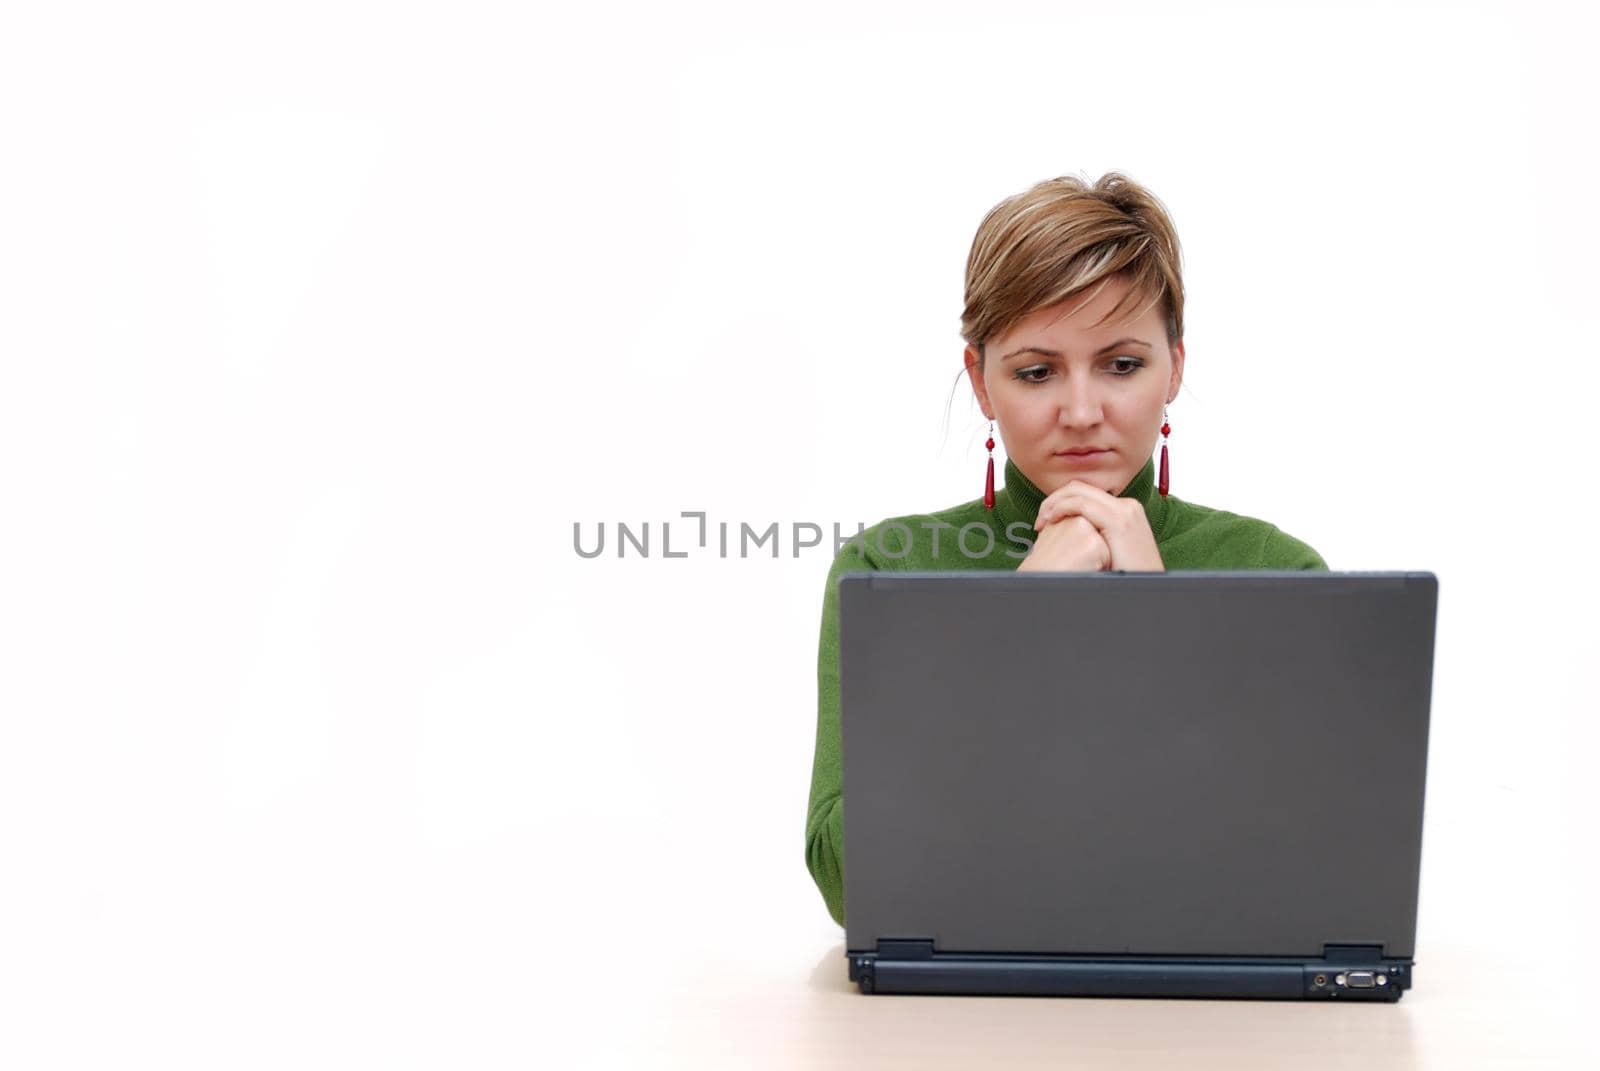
x=1352, y=953
x=905, y=948
x=863, y=965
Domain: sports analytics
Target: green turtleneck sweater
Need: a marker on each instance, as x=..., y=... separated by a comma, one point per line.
x=1188, y=537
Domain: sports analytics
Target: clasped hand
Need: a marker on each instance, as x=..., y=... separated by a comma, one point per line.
x=1083, y=528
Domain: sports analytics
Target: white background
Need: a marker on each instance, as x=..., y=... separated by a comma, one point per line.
x=321, y=325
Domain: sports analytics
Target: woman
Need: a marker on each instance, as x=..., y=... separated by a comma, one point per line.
x=1074, y=331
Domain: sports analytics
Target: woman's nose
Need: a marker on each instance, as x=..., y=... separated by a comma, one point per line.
x=1080, y=405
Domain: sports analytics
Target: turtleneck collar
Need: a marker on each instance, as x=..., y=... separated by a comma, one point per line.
x=1019, y=499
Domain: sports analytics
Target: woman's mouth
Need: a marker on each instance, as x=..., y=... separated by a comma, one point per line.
x=1083, y=454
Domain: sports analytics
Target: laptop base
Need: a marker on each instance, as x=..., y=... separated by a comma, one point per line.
x=1342, y=973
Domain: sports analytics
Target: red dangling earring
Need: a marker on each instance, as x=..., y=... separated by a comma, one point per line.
x=988, y=480
x=1166, y=429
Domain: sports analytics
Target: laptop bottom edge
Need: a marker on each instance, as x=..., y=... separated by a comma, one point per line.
x=1339, y=975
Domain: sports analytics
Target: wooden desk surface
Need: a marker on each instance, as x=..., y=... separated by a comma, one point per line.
x=1458, y=1017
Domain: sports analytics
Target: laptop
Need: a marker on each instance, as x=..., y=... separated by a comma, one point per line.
x=1188, y=784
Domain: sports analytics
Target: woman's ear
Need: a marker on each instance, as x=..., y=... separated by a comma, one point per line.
x=975, y=373
x=1176, y=349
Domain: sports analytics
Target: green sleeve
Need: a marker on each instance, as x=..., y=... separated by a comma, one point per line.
x=1284, y=551
x=825, y=813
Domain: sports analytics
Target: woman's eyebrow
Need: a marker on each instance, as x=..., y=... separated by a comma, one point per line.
x=1041, y=351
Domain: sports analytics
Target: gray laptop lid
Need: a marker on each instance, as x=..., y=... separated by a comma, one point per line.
x=1171, y=764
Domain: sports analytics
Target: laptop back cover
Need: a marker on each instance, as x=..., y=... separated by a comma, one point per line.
x=1177, y=764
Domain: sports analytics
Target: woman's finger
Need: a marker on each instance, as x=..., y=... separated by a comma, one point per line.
x=1074, y=490
x=1101, y=514
x=1070, y=499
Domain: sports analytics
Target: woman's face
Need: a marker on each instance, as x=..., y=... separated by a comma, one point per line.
x=1056, y=386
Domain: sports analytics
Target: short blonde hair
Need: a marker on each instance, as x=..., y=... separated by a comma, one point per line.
x=1064, y=236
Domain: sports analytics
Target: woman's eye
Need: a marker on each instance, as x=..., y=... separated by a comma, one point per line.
x=1120, y=366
